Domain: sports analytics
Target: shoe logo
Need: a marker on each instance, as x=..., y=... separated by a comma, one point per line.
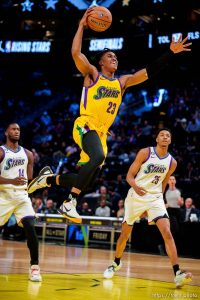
x=65, y=209
x=39, y=180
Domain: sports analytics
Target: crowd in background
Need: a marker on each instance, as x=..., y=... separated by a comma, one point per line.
x=46, y=113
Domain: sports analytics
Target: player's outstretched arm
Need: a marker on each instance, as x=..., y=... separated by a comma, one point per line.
x=161, y=62
x=81, y=61
x=158, y=65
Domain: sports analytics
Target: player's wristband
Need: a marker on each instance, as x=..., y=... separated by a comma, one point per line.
x=159, y=64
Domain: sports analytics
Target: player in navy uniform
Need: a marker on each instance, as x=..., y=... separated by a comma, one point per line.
x=16, y=168
x=148, y=176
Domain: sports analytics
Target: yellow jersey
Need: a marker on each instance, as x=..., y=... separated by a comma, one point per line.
x=100, y=103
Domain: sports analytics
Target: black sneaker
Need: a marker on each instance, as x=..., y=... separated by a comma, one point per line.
x=40, y=181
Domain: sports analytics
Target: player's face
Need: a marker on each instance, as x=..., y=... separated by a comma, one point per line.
x=164, y=138
x=109, y=60
x=13, y=133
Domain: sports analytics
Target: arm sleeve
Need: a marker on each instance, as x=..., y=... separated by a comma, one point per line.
x=159, y=64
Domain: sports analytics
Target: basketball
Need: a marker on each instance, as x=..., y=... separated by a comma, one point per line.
x=100, y=19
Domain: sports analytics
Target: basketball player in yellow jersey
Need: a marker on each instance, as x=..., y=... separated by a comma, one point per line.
x=98, y=109
x=100, y=101
x=148, y=176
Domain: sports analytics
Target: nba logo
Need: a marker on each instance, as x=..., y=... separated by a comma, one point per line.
x=8, y=46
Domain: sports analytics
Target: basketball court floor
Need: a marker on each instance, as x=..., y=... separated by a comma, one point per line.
x=76, y=273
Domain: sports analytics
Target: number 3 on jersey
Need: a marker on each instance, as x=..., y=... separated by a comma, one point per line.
x=111, y=108
x=156, y=179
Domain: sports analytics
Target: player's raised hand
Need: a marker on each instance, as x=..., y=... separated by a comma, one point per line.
x=83, y=20
x=180, y=45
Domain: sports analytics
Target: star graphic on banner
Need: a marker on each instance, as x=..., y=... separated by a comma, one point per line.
x=51, y=4
x=125, y=2
x=84, y=4
x=94, y=3
x=27, y=5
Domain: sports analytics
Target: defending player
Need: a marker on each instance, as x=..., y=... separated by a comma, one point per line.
x=16, y=167
x=148, y=176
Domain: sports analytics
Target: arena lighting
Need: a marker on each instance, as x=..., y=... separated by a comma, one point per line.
x=27, y=5
x=112, y=43
x=84, y=4
x=157, y=99
x=51, y=4
x=158, y=1
x=166, y=39
x=25, y=46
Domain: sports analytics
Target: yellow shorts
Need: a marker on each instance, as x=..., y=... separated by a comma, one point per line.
x=80, y=128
